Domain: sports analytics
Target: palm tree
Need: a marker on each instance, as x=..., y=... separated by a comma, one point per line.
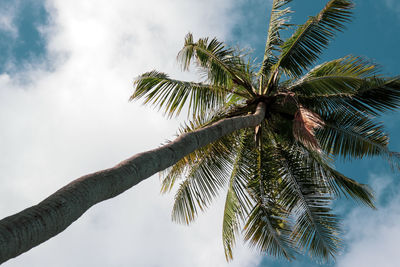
x=270, y=136
x=279, y=174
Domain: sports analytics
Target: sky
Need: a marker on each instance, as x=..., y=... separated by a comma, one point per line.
x=66, y=72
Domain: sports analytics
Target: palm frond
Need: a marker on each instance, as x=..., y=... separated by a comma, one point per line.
x=305, y=123
x=337, y=183
x=208, y=163
x=342, y=76
x=237, y=203
x=316, y=228
x=268, y=231
x=305, y=45
x=172, y=95
x=205, y=179
x=373, y=97
x=350, y=188
x=278, y=22
x=206, y=170
x=224, y=67
x=231, y=222
x=187, y=164
x=268, y=227
x=352, y=135
x=377, y=95
x=182, y=167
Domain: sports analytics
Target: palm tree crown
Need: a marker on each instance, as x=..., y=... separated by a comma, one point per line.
x=279, y=175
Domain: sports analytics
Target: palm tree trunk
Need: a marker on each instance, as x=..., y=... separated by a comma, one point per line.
x=32, y=226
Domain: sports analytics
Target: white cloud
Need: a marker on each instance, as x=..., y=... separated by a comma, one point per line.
x=76, y=119
x=373, y=235
x=7, y=16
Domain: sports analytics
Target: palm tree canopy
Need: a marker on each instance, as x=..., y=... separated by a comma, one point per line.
x=279, y=176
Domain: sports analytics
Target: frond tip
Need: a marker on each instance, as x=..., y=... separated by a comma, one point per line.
x=303, y=48
x=222, y=65
x=278, y=22
x=172, y=95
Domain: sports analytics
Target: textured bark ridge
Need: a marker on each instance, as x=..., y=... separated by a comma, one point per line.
x=32, y=226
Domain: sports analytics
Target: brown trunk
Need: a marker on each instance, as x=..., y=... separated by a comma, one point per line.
x=32, y=226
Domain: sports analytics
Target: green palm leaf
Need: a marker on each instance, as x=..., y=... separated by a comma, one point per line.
x=324, y=173
x=316, y=228
x=179, y=169
x=377, y=95
x=268, y=227
x=304, y=47
x=267, y=230
x=205, y=171
x=182, y=167
x=374, y=96
x=349, y=187
x=352, y=135
x=278, y=22
x=206, y=175
x=340, y=77
x=172, y=95
x=199, y=188
x=237, y=203
x=224, y=67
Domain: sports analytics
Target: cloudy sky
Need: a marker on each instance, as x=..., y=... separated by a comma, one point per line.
x=66, y=72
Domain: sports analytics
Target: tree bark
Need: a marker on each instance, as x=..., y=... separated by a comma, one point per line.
x=32, y=226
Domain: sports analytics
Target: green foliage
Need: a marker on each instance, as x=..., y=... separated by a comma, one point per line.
x=279, y=177
x=352, y=135
x=341, y=76
x=223, y=66
x=316, y=228
x=302, y=49
x=335, y=182
x=171, y=95
x=205, y=176
x=274, y=42
x=237, y=203
x=268, y=226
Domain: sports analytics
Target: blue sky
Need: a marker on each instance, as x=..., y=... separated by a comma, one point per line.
x=22, y=43
x=62, y=111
